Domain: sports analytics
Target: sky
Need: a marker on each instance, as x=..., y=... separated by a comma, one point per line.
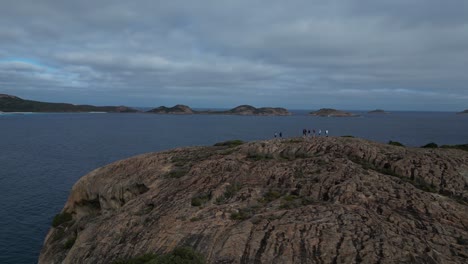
x=298, y=54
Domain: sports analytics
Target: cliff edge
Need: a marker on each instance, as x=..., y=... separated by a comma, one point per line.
x=321, y=200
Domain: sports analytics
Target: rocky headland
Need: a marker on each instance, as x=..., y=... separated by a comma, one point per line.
x=329, y=112
x=463, y=112
x=10, y=103
x=321, y=200
x=239, y=110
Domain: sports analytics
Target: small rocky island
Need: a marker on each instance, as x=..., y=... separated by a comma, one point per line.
x=329, y=112
x=10, y=103
x=239, y=110
x=326, y=200
x=463, y=112
x=378, y=111
x=175, y=110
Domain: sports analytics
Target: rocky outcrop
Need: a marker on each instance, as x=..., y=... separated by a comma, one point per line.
x=328, y=112
x=177, y=110
x=463, y=112
x=320, y=200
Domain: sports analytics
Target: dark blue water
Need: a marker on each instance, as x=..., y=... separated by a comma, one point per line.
x=43, y=155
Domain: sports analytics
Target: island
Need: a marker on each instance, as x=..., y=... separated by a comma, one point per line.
x=329, y=112
x=175, y=110
x=378, y=111
x=239, y=110
x=10, y=103
x=293, y=200
x=463, y=112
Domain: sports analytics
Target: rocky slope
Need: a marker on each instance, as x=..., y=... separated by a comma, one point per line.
x=320, y=200
x=9, y=103
x=328, y=112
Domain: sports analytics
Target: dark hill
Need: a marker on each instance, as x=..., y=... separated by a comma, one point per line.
x=9, y=103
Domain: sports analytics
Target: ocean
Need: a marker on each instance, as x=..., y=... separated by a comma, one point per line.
x=43, y=155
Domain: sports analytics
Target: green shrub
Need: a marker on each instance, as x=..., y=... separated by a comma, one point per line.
x=144, y=259
x=395, y=143
x=70, y=242
x=230, y=143
x=270, y=196
x=460, y=147
x=243, y=214
x=61, y=218
x=200, y=199
x=347, y=136
x=177, y=173
x=462, y=241
x=430, y=145
x=230, y=192
x=182, y=255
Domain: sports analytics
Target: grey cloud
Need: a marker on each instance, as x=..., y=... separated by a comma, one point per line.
x=299, y=54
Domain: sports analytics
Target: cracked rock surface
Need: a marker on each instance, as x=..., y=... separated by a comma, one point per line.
x=320, y=200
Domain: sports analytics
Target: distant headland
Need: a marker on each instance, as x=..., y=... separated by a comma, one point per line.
x=463, y=112
x=329, y=112
x=10, y=103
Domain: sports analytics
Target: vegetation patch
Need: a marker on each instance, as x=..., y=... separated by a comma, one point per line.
x=347, y=136
x=430, y=145
x=70, y=242
x=460, y=147
x=229, y=143
x=182, y=255
x=292, y=141
x=462, y=241
x=294, y=201
x=395, y=143
x=195, y=219
x=259, y=156
x=201, y=199
x=61, y=218
x=243, y=213
x=177, y=173
x=231, y=191
x=270, y=196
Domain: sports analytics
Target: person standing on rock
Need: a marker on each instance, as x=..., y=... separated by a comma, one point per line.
x=281, y=135
x=326, y=132
x=276, y=134
x=320, y=132
x=313, y=130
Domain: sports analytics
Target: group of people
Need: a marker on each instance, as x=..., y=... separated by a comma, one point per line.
x=280, y=134
x=306, y=132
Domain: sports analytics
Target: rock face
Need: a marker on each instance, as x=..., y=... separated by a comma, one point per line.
x=177, y=109
x=321, y=200
x=463, y=112
x=328, y=112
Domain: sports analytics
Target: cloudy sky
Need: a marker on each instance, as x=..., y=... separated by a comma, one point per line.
x=353, y=54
